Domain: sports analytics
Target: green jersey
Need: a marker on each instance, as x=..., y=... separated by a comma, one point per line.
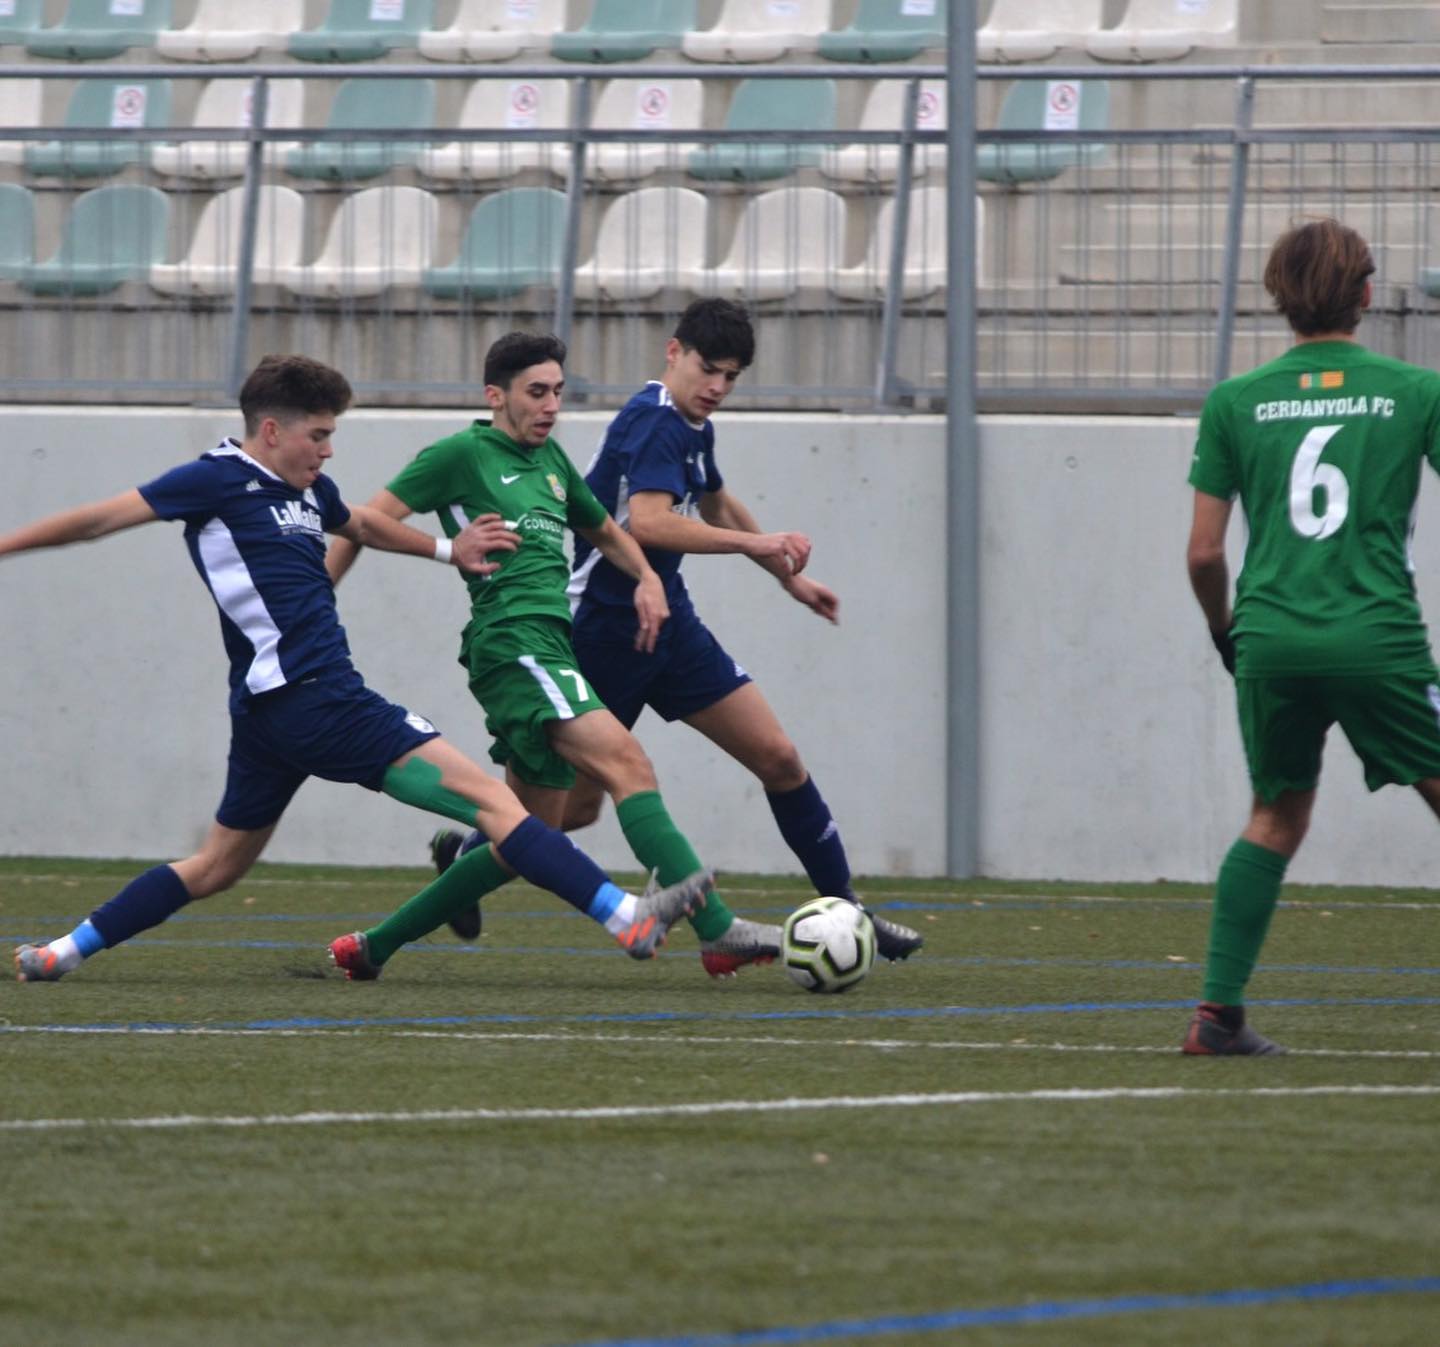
x=1324, y=447
x=537, y=492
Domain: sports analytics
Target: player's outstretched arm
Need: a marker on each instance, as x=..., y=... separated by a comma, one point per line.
x=82, y=524
x=467, y=550
x=724, y=526
x=623, y=552
x=343, y=550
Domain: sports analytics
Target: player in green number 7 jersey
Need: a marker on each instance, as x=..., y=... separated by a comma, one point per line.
x=1324, y=448
x=545, y=718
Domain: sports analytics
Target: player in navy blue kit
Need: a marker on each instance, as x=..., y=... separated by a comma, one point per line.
x=656, y=474
x=256, y=514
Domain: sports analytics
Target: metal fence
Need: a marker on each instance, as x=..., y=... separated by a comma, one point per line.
x=1118, y=262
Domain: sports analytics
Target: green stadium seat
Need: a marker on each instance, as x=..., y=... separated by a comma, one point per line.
x=97, y=104
x=111, y=235
x=887, y=30
x=1043, y=106
x=368, y=105
x=364, y=30
x=17, y=230
x=626, y=30
x=513, y=241
x=94, y=29
x=769, y=105
x=22, y=20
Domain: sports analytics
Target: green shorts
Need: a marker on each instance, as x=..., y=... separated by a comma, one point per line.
x=1392, y=721
x=525, y=675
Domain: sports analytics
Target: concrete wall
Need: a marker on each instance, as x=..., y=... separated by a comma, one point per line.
x=1109, y=748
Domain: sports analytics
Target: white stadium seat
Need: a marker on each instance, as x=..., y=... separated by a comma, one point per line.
x=210, y=265
x=1166, y=30
x=649, y=240
x=760, y=30
x=20, y=107
x=380, y=237
x=787, y=240
x=226, y=103
x=1032, y=30
x=642, y=106
x=500, y=105
x=884, y=110
x=924, y=250
x=495, y=30
x=232, y=30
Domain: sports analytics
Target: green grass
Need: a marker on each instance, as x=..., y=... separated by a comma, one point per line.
x=516, y=1230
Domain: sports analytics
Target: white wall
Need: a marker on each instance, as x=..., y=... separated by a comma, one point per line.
x=1109, y=747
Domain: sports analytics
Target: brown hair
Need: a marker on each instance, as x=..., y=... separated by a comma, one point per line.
x=290, y=386
x=1316, y=275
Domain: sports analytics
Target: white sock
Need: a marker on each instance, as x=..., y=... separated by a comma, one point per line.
x=623, y=915
x=67, y=953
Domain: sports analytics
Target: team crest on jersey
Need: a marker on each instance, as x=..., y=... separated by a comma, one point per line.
x=556, y=489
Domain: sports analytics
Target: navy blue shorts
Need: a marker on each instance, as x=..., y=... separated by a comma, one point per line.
x=330, y=727
x=688, y=671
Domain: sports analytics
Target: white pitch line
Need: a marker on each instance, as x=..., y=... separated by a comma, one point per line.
x=698, y=1110
x=682, y=1041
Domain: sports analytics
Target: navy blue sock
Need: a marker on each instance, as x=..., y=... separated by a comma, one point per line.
x=550, y=860
x=813, y=836
x=145, y=901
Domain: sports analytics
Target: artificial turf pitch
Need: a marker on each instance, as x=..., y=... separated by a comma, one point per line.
x=207, y=1138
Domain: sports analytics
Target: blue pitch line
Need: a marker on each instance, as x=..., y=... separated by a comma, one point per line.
x=719, y=1017
x=1046, y=1312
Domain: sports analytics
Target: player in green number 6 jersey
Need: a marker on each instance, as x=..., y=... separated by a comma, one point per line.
x=1324, y=448
x=544, y=716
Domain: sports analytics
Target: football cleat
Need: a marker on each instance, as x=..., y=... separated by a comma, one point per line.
x=657, y=912
x=445, y=846
x=37, y=963
x=894, y=941
x=1208, y=1036
x=746, y=942
x=351, y=955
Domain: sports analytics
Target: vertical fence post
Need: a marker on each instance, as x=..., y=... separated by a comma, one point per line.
x=1234, y=225
x=574, y=199
x=249, y=228
x=885, y=383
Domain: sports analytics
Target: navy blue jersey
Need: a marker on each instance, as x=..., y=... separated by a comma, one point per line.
x=259, y=545
x=649, y=446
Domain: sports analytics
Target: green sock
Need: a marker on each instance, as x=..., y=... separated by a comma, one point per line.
x=472, y=876
x=1245, y=895
x=660, y=846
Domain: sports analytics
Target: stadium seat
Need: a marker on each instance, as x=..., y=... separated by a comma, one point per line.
x=380, y=237
x=884, y=110
x=21, y=105
x=1166, y=30
x=20, y=20
x=17, y=230
x=363, y=104
x=887, y=30
x=1032, y=30
x=96, y=104
x=91, y=30
x=642, y=106
x=925, y=244
x=211, y=264
x=486, y=30
x=363, y=30
x=226, y=103
x=760, y=30
x=232, y=30
x=514, y=240
x=111, y=235
x=787, y=240
x=648, y=240
x=1043, y=106
x=505, y=105
x=768, y=105
x=625, y=30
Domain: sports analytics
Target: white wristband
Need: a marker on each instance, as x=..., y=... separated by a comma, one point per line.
x=444, y=549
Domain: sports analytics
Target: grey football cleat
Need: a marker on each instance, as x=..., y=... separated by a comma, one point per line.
x=1209, y=1036
x=656, y=912
x=746, y=942
x=37, y=963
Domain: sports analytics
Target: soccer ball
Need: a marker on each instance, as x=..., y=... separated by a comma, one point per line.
x=829, y=944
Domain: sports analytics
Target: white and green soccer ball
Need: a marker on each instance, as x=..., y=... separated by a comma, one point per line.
x=829, y=944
